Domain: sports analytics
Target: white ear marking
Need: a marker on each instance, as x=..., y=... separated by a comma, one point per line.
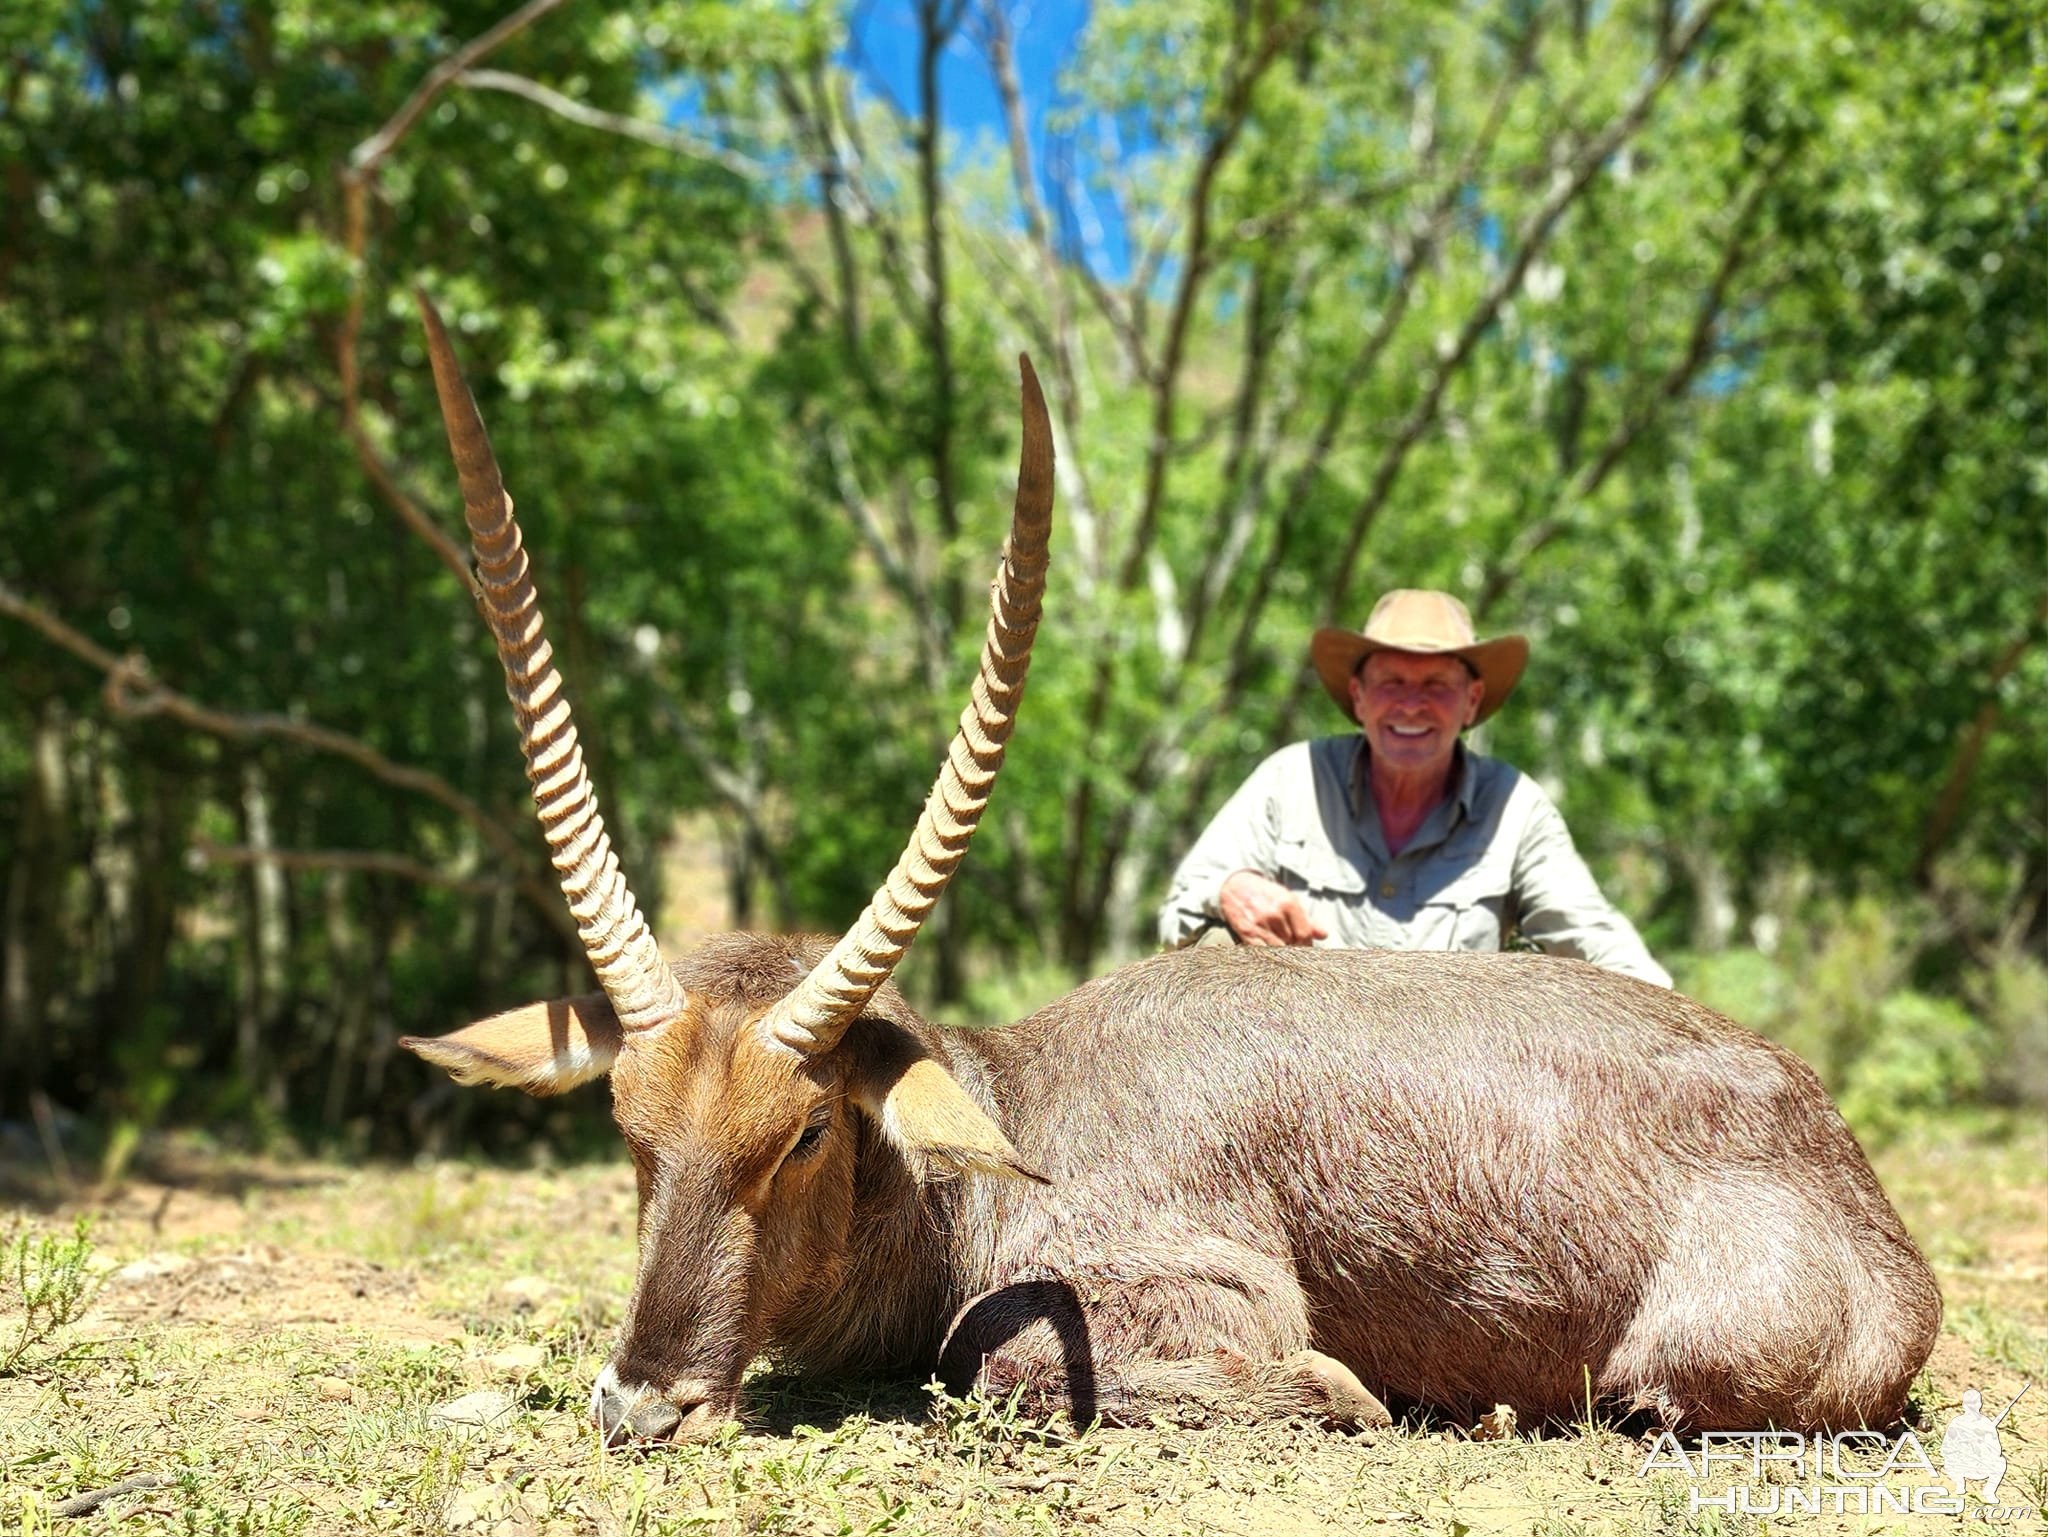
x=543, y=1048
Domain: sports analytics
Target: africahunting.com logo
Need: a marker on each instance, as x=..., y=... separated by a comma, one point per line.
x=1847, y=1472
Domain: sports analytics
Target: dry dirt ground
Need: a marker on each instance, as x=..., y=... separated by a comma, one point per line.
x=269, y=1344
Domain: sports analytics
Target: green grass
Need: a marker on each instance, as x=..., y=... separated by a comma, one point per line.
x=279, y=1379
x=46, y=1284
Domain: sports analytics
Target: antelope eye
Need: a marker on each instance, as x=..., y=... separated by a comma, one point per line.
x=812, y=1139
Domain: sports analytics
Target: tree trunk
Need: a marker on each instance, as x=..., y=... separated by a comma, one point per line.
x=1713, y=904
x=32, y=939
x=949, y=943
x=1955, y=788
x=159, y=803
x=266, y=936
x=382, y=1027
x=346, y=966
x=736, y=843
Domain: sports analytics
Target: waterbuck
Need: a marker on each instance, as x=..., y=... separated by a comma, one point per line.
x=1235, y=1182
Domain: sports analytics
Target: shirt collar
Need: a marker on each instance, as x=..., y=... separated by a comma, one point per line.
x=1463, y=780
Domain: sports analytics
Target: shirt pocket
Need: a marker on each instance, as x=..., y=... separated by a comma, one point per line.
x=1307, y=865
x=1470, y=913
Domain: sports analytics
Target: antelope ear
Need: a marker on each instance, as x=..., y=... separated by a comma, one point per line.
x=543, y=1048
x=921, y=1109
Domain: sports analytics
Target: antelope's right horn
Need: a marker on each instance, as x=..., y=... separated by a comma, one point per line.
x=813, y=1017
x=643, y=991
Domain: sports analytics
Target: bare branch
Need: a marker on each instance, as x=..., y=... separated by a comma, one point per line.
x=1152, y=246
x=655, y=134
x=1122, y=322
x=1280, y=219
x=830, y=177
x=1129, y=316
x=1948, y=802
x=1676, y=380
x=936, y=21
x=1409, y=265
x=356, y=861
x=1195, y=260
x=385, y=480
x=898, y=574
x=369, y=155
x=992, y=256
x=355, y=213
x=1006, y=263
x=1567, y=186
x=842, y=190
x=742, y=793
x=997, y=43
x=1210, y=426
x=131, y=691
x=358, y=176
x=1253, y=434
x=58, y=633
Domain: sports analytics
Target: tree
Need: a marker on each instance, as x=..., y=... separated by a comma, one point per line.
x=1693, y=340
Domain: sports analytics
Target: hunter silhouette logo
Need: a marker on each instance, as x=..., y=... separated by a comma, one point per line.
x=1970, y=1448
x=1846, y=1472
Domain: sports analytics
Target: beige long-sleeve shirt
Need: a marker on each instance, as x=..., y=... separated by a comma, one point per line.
x=1495, y=856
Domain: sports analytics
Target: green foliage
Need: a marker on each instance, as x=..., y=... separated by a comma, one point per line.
x=1836, y=989
x=2011, y=996
x=46, y=1284
x=1922, y=1056
x=1002, y=990
x=1747, y=433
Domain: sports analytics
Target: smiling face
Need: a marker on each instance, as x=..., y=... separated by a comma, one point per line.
x=1412, y=707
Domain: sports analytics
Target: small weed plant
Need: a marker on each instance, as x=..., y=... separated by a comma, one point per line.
x=46, y=1284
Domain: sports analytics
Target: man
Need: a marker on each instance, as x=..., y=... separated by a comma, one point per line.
x=1400, y=837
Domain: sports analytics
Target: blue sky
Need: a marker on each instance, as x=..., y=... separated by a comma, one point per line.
x=1044, y=34
x=885, y=38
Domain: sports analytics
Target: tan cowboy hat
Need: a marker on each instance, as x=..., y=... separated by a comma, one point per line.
x=1425, y=623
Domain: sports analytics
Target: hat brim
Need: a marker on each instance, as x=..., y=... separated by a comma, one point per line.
x=1498, y=662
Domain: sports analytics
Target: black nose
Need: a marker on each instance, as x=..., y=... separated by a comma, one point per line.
x=641, y=1414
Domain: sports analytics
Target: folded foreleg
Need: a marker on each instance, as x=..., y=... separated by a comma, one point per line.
x=1228, y=1344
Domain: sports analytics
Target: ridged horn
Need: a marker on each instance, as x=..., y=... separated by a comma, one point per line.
x=814, y=1016
x=643, y=991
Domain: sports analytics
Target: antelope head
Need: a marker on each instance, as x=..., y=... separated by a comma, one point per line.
x=743, y=1100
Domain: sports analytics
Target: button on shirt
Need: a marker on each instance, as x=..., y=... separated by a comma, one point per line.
x=1494, y=856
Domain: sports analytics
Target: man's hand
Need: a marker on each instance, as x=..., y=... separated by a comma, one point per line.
x=1264, y=912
